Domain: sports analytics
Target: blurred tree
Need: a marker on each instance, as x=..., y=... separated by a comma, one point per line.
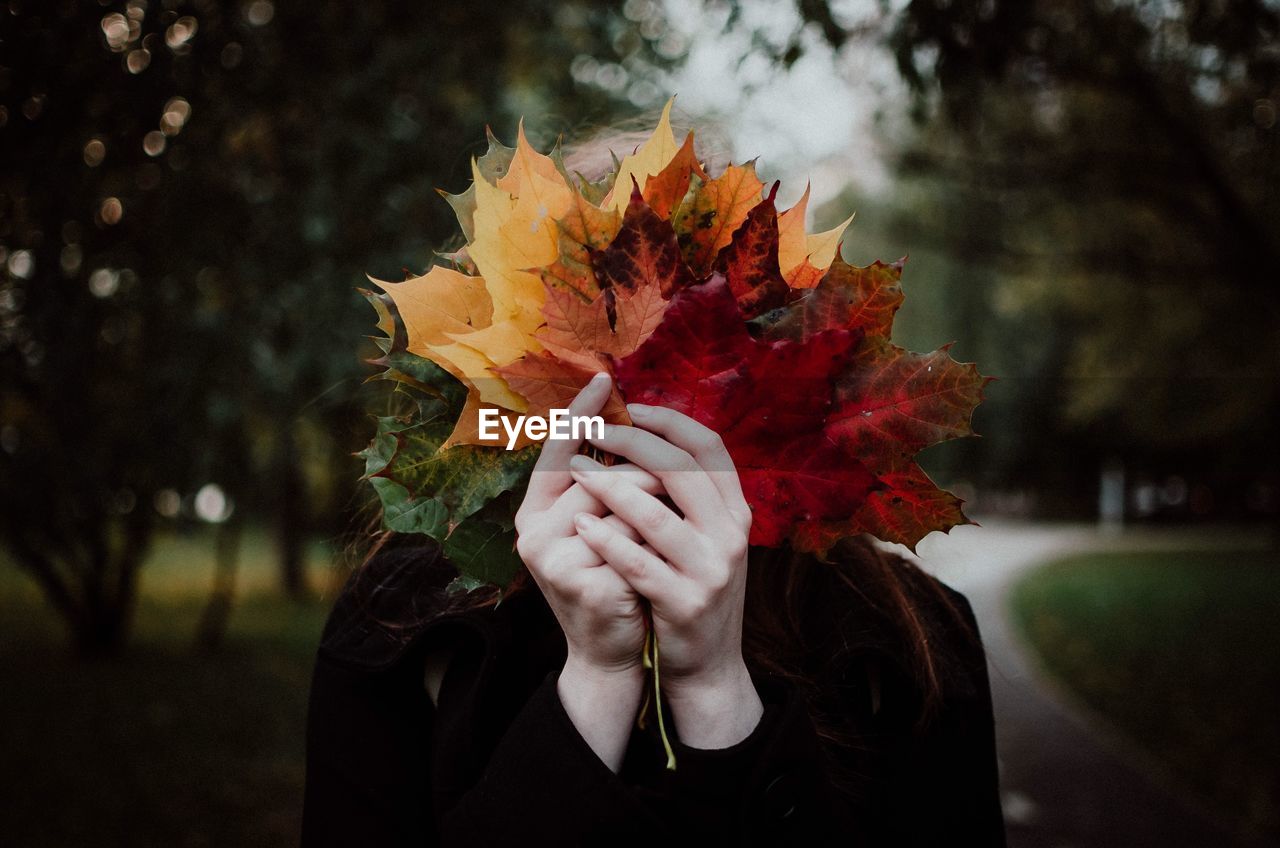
x=1113, y=166
x=191, y=190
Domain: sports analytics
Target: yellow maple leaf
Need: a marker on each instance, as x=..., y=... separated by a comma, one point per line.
x=438, y=302
x=647, y=161
x=803, y=258
x=513, y=233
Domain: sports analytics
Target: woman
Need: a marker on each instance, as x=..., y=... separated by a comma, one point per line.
x=811, y=703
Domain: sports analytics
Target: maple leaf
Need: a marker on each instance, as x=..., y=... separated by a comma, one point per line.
x=804, y=259
x=436, y=309
x=429, y=307
x=549, y=383
x=615, y=323
x=426, y=489
x=583, y=230
x=906, y=508
x=664, y=190
x=865, y=298
x=888, y=404
x=647, y=161
x=767, y=399
x=644, y=251
x=467, y=429
x=908, y=400
x=483, y=547
x=750, y=262
x=437, y=303
x=699, y=296
x=705, y=222
x=469, y=324
x=492, y=165
x=515, y=231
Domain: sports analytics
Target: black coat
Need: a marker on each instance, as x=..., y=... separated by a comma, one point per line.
x=498, y=762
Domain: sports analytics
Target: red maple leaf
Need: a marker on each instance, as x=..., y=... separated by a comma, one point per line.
x=644, y=251
x=768, y=400
x=888, y=404
x=846, y=296
x=750, y=262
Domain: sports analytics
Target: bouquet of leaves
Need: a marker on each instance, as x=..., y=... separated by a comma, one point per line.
x=695, y=293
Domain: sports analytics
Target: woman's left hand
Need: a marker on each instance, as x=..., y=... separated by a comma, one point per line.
x=695, y=575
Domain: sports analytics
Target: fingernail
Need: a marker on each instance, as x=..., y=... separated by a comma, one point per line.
x=582, y=520
x=637, y=410
x=582, y=463
x=600, y=378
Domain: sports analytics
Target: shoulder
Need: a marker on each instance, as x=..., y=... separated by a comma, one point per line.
x=957, y=644
x=385, y=605
x=886, y=609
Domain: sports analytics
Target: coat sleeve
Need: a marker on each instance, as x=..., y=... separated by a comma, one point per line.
x=493, y=765
x=367, y=781
x=772, y=788
x=545, y=785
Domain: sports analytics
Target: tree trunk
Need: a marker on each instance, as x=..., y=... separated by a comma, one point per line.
x=94, y=590
x=212, y=628
x=290, y=513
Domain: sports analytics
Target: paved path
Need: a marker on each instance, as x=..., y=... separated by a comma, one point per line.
x=1067, y=781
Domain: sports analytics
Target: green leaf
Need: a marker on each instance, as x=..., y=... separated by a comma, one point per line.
x=483, y=551
x=464, y=583
x=493, y=165
x=463, y=477
x=449, y=494
x=405, y=514
x=596, y=191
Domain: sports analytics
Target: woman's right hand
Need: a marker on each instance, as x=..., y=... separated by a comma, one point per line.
x=601, y=615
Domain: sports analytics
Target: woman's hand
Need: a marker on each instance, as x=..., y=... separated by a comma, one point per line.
x=692, y=570
x=601, y=614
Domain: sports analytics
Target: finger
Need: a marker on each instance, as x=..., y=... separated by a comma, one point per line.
x=557, y=519
x=554, y=557
x=670, y=536
x=560, y=559
x=647, y=573
x=700, y=442
x=550, y=476
x=685, y=480
x=576, y=553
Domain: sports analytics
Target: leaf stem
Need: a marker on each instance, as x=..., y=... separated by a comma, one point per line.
x=657, y=701
x=641, y=719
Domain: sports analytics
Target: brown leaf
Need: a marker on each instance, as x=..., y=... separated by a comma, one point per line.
x=664, y=191
x=848, y=297
x=706, y=220
x=549, y=383
x=644, y=251
x=579, y=332
x=750, y=262
x=584, y=229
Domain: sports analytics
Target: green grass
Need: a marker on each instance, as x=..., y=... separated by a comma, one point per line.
x=1181, y=651
x=162, y=746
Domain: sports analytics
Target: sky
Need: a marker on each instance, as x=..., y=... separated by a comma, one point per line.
x=815, y=121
